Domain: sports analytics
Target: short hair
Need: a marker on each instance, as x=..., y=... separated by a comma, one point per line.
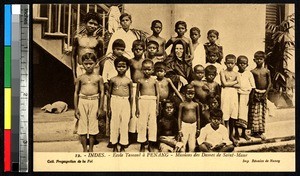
x=152, y=42
x=183, y=23
x=210, y=69
x=212, y=96
x=147, y=61
x=216, y=113
x=154, y=23
x=92, y=15
x=121, y=59
x=259, y=54
x=195, y=29
x=212, y=31
x=124, y=15
x=213, y=50
x=230, y=56
x=189, y=86
x=160, y=65
x=198, y=65
x=164, y=104
x=138, y=43
x=241, y=57
x=88, y=56
x=118, y=43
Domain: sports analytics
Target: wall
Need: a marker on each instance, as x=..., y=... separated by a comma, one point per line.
x=241, y=26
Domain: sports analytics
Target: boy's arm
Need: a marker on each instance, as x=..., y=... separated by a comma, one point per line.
x=74, y=58
x=137, y=111
x=130, y=97
x=238, y=79
x=169, y=42
x=269, y=82
x=174, y=88
x=180, y=119
x=101, y=98
x=76, y=92
x=224, y=82
x=111, y=82
x=99, y=47
x=198, y=113
x=191, y=49
x=157, y=96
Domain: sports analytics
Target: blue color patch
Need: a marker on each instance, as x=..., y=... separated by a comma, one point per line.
x=7, y=25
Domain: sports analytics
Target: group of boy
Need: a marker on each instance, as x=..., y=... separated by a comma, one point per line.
x=138, y=96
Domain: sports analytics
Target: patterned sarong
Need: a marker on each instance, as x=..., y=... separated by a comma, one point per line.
x=257, y=112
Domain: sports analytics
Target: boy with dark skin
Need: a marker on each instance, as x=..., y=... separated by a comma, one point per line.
x=214, y=136
x=152, y=48
x=167, y=129
x=88, y=101
x=138, y=49
x=198, y=83
x=119, y=105
x=86, y=42
x=230, y=81
x=180, y=29
x=189, y=119
x=258, y=97
x=147, y=100
x=156, y=27
x=213, y=103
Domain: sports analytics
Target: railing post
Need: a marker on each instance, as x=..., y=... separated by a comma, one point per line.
x=49, y=17
x=69, y=25
x=103, y=28
x=59, y=18
x=96, y=8
x=87, y=8
x=78, y=18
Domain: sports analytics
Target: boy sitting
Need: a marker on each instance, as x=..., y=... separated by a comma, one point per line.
x=214, y=136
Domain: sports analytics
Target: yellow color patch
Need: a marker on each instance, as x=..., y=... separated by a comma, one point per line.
x=7, y=105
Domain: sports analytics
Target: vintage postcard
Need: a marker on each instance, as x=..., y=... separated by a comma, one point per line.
x=163, y=87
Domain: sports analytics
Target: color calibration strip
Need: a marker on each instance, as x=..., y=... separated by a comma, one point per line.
x=7, y=88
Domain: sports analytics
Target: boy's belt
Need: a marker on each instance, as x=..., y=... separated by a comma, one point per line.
x=89, y=97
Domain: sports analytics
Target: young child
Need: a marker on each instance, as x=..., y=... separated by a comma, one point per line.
x=213, y=103
x=247, y=84
x=198, y=83
x=156, y=27
x=119, y=106
x=147, y=99
x=210, y=87
x=138, y=49
x=229, y=102
x=86, y=42
x=167, y=129
x=166, y=86
x=109, y=71
x=88, y=104
x=213, y=36
x=214, y=136
x=212, y=57
x=258, y=97
x=180, y=29
x=198, y=51
x=189, y=119
x=152, y=48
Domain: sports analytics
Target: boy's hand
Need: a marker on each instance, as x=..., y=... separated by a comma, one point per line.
x=183, y=80
x=137, y=113
x=219, y=146
x=197, y=133
x=77, y=114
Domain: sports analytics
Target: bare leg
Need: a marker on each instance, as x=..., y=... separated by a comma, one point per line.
x=226, y=122
x=115, y=148
x=227, y=148
x=142, y=149
x=122, y=148
x=203, y=148
x=244, y=135
x=231, y=126
x=92, y=141
x=83, y=139
x=236, y=131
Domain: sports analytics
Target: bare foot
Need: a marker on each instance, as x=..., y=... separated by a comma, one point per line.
x=237, y=136
x=234, y=141
x=245, y=136
x=263, y=137
x=122, y=148
x=115, y=148
x=142, y=149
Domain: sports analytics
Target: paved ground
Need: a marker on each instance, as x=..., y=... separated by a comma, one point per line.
x=53, y=132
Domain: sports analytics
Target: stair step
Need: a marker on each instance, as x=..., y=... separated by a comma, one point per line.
x=40, y=19
x=57, y=35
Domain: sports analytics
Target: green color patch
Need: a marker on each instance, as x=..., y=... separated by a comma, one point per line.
x=7, y=66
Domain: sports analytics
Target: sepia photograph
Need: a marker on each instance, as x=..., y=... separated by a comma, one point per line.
x=146, y=84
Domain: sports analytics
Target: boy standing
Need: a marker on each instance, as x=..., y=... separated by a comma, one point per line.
x=180, y=29
x=119, y=106
x=213, y=36
x=247, y=84
x=147, y=99
x=199, y=52
x=88, y=104
x=200, y=94
x=189, y=119
x=258, y=97
x=229, y=102
x=138, y=49
x=156, y=27
x=214, y=136
x=86, y=42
